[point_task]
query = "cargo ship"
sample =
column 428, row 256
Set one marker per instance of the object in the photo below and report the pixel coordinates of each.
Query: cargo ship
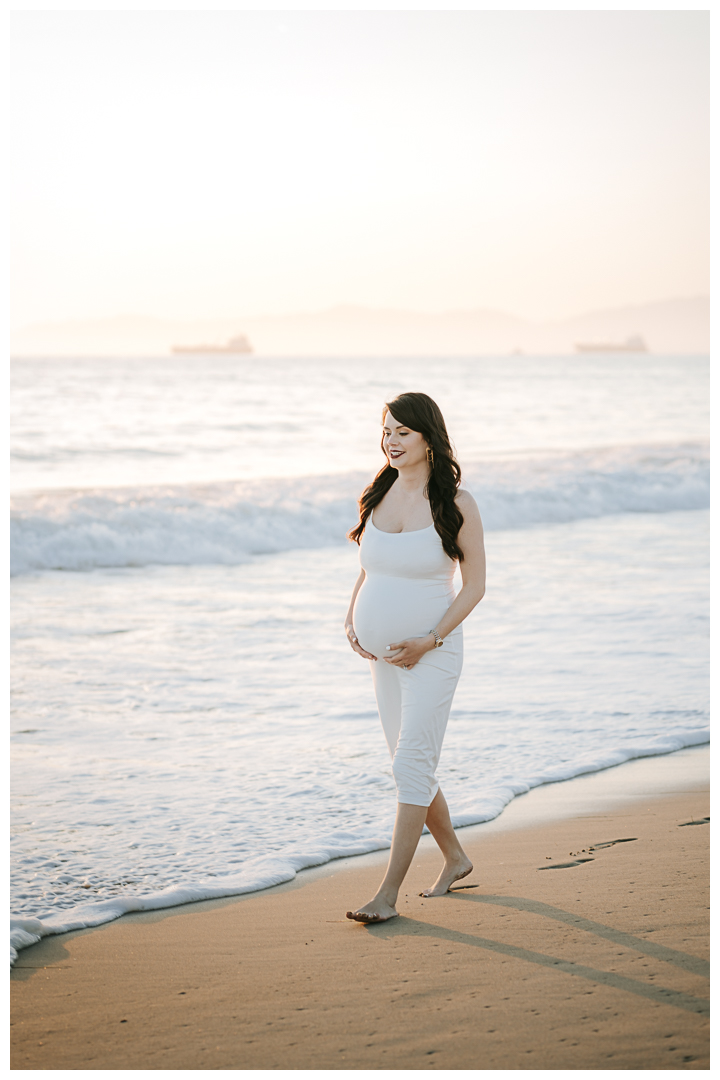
column 633, row 344
column 236, row 345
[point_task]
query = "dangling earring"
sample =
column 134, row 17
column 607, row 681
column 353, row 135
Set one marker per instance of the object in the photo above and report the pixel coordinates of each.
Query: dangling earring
column 429, row 454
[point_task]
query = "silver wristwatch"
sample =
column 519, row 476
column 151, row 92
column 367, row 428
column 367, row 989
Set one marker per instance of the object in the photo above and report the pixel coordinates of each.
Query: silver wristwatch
column 438, row 639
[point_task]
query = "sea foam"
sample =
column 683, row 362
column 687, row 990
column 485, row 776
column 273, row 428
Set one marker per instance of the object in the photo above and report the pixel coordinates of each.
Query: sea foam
column 263, row 873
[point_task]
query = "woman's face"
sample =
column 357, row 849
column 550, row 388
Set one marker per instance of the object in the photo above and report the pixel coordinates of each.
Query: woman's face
column 402, row 445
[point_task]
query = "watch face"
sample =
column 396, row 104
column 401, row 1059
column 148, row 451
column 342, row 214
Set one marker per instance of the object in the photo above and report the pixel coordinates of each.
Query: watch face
column 438, row 643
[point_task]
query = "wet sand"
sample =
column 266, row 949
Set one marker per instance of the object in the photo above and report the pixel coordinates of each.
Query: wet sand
column 583, row 944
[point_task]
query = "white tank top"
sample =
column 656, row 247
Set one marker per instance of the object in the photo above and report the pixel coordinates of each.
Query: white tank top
column 408, row 586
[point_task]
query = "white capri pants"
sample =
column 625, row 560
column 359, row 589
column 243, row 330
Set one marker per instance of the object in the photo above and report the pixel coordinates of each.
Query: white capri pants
column 414, row 707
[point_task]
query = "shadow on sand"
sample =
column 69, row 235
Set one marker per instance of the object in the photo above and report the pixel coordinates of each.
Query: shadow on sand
column 403, row 926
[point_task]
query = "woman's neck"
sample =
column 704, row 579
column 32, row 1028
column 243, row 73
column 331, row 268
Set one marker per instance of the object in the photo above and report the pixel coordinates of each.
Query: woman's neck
column 412, row 480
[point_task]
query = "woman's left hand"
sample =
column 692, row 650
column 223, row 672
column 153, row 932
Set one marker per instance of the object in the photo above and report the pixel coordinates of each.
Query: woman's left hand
column 407, row 653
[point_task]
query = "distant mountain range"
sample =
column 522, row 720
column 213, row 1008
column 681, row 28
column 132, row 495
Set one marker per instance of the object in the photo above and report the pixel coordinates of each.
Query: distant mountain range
column 670, row 326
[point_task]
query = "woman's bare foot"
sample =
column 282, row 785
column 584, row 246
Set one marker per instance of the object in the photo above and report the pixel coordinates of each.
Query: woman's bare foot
column 451, row 872
column 378, row 910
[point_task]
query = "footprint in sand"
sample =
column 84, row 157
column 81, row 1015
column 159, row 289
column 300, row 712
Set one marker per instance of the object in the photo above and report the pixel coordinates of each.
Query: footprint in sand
column 592, row 847
column 565, row 865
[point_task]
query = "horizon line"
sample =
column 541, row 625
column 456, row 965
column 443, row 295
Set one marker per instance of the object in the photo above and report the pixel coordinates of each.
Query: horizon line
column 357, row 307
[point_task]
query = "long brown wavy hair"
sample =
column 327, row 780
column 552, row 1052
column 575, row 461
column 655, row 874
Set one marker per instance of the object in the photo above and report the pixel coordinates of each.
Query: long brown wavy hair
column 420, row 413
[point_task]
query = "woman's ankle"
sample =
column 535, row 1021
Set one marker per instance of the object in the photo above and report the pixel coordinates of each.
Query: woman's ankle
column 388, row 895
column 455, row 856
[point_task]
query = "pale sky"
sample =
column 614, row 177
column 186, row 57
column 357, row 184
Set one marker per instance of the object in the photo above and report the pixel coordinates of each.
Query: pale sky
column 226, row 162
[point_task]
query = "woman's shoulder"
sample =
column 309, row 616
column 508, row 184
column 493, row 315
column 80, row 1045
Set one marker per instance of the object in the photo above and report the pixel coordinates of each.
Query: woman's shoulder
column 467, row 506
column 465, row 500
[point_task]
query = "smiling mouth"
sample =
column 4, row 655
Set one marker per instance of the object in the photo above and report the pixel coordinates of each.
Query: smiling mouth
column 396, row 453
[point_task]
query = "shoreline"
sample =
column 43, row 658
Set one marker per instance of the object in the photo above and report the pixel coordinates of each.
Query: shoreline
column 599, row 963
column 643, row 777
column 545, row 802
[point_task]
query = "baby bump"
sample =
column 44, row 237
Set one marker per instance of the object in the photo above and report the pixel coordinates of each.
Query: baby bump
column 392, row 609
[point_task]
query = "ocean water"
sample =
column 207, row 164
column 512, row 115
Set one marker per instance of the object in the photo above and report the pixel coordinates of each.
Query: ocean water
column 188, row 719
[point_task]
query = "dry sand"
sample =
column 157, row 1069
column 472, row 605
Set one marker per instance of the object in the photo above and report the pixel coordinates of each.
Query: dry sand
column 594, row 965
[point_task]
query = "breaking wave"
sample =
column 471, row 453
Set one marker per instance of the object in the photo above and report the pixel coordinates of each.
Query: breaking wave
column 229, row 522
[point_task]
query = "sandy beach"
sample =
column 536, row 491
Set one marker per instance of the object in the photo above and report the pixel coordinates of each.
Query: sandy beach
column 579, row 942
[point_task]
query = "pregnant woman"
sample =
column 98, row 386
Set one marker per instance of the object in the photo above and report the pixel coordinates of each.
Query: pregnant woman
column 415, row 526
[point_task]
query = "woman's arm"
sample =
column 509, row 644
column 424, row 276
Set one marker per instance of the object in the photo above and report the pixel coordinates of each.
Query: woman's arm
column 349, row 629
column 472, row 570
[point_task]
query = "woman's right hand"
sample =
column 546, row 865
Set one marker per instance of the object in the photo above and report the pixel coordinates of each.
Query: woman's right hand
column 355, row 644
